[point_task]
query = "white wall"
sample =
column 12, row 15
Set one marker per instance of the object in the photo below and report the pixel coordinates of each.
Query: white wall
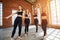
column 14, row 16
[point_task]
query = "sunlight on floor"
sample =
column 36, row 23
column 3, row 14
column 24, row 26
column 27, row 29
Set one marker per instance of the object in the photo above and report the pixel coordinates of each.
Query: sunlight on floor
column 52, row 34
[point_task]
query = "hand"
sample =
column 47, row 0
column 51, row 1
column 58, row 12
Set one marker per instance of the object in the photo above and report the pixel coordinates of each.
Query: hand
column 6, row 17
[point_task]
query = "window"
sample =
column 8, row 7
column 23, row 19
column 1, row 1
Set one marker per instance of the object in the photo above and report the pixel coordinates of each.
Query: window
column 58, row 11
column 55, row 12
column 1, row 14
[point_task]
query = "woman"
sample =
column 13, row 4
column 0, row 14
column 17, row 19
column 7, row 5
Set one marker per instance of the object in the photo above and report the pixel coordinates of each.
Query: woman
column 44, row 23
column 18, row 21
column 27, row 22
column 36, row 20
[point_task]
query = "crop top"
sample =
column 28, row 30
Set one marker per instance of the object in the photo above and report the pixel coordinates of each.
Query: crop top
column 26, row 15
column 35, row 15
column 19, row 13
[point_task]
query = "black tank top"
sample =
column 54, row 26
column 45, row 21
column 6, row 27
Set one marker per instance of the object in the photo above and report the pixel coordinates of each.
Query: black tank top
column 19, row 13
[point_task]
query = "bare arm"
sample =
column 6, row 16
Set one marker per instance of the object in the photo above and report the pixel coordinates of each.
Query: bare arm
column 29, row 15
column 10, row 15
column 23, row 14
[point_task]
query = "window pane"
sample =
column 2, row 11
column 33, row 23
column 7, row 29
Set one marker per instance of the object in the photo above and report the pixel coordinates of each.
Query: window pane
column 53, row 12
column 58, row 10
column 0, row 14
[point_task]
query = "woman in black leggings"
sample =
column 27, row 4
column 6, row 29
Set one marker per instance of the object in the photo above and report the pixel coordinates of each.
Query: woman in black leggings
column 36, row 20
column 27, row 22
column 18, row 21
column 44, row 23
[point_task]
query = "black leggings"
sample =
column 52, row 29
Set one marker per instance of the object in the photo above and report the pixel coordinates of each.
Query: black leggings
column 44, row 29
column 36, row 24
column 27, row 22
column 18, row 21
column 44, row 25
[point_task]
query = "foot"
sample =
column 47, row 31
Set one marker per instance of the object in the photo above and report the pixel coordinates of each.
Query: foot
column 44, row 37
column 36, row 33
column 25, row 35
column 11, row 38
column 20, row 38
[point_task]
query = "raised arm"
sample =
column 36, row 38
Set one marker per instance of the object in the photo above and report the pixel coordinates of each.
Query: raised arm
column 10, row 15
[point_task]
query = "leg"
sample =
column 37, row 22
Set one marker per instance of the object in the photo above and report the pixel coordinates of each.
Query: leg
column 25, row 28
column 14, row 29
column 28, row 25
column 26, row 33
column 36, row 24
column 36, row 27
column 44, row 29
column 20, row 28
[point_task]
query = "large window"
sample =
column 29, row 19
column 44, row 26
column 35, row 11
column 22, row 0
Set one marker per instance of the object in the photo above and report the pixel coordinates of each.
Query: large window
column 0, row 14
column 55, row 12
column 58, row 11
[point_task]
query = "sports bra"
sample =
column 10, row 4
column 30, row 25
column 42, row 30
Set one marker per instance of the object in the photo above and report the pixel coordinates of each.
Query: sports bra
column 35, row 15
column 26, row 15
column 19, row 13
column 43, row 14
